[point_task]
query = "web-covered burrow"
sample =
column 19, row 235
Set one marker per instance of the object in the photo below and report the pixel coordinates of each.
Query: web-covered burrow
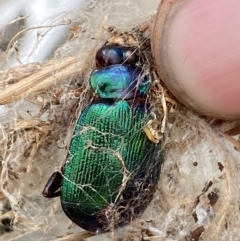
column 197, row 197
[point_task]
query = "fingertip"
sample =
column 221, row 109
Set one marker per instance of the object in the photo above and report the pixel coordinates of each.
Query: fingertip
column 196, row 49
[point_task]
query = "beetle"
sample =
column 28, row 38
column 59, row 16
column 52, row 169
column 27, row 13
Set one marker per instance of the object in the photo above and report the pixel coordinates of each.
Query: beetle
column 112, row 168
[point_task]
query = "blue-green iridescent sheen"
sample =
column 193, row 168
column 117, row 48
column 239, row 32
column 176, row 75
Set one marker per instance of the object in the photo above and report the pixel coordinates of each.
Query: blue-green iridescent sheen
column 120, row 82
column 108, row 138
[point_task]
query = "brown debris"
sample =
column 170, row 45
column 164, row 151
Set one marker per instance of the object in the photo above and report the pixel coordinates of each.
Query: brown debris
column 75, row 30
column 143, row 27
column 220, row 166
column 46, row 75
column 213, row 197
column 196, row 234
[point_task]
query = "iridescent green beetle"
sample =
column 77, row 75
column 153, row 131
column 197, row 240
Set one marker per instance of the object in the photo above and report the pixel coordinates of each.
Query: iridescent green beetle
column 112, row 169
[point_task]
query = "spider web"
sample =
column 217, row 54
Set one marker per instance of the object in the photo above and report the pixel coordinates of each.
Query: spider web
column 198, row 192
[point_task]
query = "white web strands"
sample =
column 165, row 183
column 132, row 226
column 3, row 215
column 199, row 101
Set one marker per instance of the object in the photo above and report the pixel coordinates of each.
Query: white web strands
column 198, row 192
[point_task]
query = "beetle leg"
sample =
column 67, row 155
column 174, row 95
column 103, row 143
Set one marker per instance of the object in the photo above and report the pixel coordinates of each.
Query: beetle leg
column 53, row 185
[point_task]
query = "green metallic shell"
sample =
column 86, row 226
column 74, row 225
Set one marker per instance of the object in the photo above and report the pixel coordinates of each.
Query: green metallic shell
column 119, row 82
column 108, row 145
